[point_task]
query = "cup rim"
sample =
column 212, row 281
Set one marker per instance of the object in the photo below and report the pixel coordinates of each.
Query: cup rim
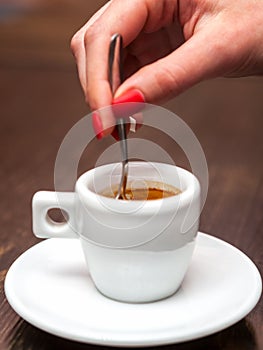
column 187, row 195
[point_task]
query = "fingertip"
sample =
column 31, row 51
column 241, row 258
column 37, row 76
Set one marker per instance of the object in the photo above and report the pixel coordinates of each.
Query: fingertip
column 132, row 95
column 103, row 123
column 97, row 125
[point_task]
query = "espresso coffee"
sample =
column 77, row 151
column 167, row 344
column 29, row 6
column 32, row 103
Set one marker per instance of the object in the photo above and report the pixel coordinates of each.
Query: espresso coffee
column 146, row 190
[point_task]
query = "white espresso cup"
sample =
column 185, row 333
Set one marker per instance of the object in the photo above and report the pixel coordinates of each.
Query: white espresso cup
column 136, row 250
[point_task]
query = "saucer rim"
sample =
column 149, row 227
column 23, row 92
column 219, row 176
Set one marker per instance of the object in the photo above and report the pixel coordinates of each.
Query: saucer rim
column 165, row 338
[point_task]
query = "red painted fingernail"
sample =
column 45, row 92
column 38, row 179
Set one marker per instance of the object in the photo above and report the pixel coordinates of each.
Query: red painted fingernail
column 129, row 103
column 115, row 133
column 132, row 95
column 97, row 125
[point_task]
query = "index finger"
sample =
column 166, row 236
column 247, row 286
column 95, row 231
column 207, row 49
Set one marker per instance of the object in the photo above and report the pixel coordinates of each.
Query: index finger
column 121, row 16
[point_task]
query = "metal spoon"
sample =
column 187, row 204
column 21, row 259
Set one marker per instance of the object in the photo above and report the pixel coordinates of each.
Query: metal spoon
column 115, row 79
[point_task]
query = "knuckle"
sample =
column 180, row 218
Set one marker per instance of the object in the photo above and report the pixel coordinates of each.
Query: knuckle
column 75, row 42
column 92, row 33
column 169, row 79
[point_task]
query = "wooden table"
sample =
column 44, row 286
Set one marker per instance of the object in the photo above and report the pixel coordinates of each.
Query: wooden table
column 41, row 100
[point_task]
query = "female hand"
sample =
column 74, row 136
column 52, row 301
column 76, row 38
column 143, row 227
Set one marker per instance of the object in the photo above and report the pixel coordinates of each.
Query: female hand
column 170, row 45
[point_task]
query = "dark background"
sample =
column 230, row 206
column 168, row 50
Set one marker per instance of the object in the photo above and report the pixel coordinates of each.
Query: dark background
column 41, row 99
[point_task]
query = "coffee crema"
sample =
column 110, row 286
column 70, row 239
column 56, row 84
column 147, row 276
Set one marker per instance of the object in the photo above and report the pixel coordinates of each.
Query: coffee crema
column 148, row 190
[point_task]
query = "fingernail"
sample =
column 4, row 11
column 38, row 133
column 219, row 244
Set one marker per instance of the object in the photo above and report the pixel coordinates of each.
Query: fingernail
column 97, row 125
column 132, row 95
column 128, row 103
column 115, row 133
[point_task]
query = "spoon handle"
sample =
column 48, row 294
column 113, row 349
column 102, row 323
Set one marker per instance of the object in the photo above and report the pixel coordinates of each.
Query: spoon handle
column 115, row 79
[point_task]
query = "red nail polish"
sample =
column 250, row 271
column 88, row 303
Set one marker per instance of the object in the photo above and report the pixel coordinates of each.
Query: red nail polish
column 97, row 125
column 129, row 103
column 115, row 133
column 132, row 95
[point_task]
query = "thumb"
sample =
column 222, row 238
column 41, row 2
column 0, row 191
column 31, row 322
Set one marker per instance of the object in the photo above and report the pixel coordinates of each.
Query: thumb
column 192, row 62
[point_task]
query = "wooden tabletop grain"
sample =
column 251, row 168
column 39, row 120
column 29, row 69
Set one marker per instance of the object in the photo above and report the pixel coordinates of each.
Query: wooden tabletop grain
column 40, row 100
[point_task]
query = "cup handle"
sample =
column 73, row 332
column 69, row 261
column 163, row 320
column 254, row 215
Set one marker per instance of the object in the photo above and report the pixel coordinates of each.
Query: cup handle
column 43, row 225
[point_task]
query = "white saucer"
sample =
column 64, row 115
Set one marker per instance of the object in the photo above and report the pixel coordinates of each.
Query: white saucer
column 49, row 286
